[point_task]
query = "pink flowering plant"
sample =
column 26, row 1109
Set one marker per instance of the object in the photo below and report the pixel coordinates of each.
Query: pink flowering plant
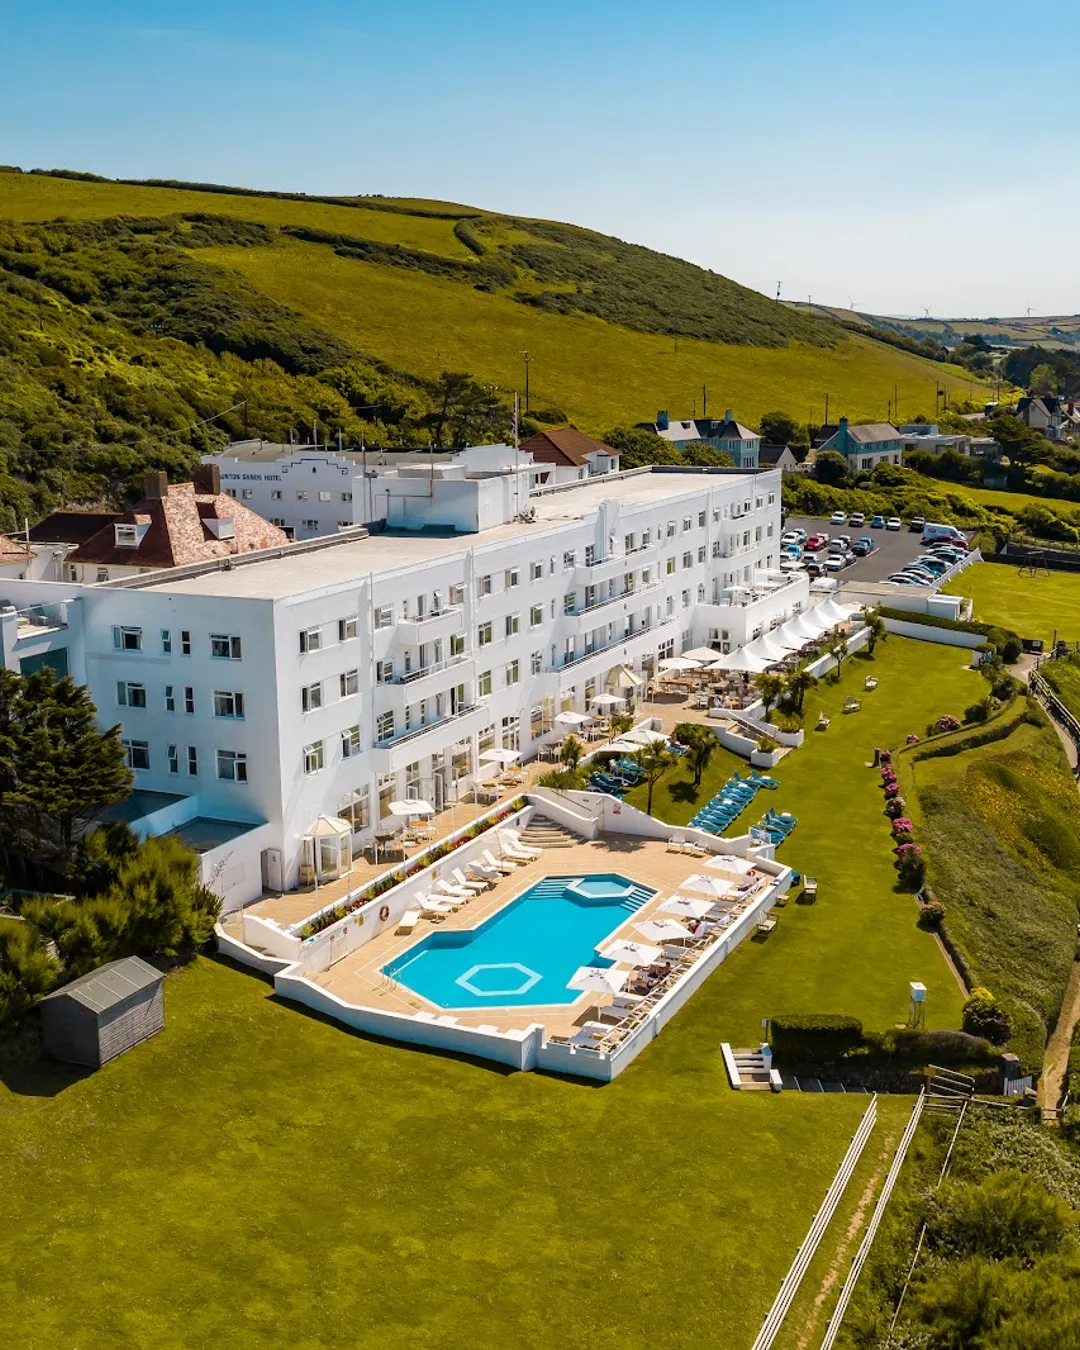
column 903, row 825
column 895, row 807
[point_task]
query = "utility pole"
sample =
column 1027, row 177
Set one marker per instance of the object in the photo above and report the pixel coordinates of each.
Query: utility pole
column 525, row 358
column 896, row 401
column 826, row 410
column 704, row 400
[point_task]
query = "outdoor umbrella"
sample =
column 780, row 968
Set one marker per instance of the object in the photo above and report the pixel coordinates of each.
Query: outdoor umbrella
column 678, row 663
column 416, row 807
column 744, row 660
column 624, row 747
column 573, row 719
column 661, row 930
column 631, row 953
column 644, row 736
column 804, row 625
column 606, row 700
column 769, row 651
column 624, row 678
column 787, row 635
column 597, row 980
column 713, row 886
column 833, row 613
column 700, row 654
column 731, row 863
column 500, row 757
column 687, row 906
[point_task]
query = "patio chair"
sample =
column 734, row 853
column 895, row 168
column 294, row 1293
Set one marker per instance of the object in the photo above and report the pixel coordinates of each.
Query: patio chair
column 870, row 682
column 408, row 921
column 851, row 704
column 435, row 910
column 502, row 865
column 511, row 851
column 676, row 844
column 447, row 888
column 476, row 885
column 766, row 926
column 823, row 722
column 809, row 890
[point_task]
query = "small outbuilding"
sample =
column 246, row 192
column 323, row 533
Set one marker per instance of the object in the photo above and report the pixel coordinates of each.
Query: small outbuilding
column 100, row 1015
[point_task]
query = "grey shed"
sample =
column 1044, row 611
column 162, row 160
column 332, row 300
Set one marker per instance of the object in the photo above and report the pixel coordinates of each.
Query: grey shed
column 100, row 1015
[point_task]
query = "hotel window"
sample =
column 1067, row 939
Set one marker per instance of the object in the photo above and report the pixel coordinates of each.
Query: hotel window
column 536, row 571
column 569, row 602
column 189, row 700
column 569, row 558
column 483, row 585
column 314, row 758
column 311, row 697
column 324, row 496
column 103, row 574
column 513, row 672
column 686, row 599
column 646, row 538
column 310, row 524
column 384, row 727
column 590, row 689
column 536, row 616
column 511, row 734
column 130, row 695
column 247, row 494
column 384, row 672
column 513, row 577
column 536, row 663
column 350, row 742
column 355, row 808
column 590, row 555
column 687, row 523
column 310, row 639
column 224, row 647
column 701, row 554
column 628, row 543
column 346, row 628
column 301, row 496
column 701, row 520
column 772, row 498
column 384, row 616
column 483, row 635
column 512, row 624
column 483, row 683
column 457, row 594
column 173, row 756
column 457, row 644
column 757, row 534
column 137, row 754
column 232, row 766
column 346, row 496
column 349, row 683
column 170, row 699
column 192, row 760
column 228, row 703
column 701, row 591
column 671, row 529
column 687, row 560
column 670, row 567
column 185, row 642
column 166, row 641
column 275, row 494
column 127, row 639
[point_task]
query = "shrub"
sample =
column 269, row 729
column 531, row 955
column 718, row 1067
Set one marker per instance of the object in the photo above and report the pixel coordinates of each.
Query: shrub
column 903, row 825
column 895, row 807
column 911, row 739
column 892, row 791
column 1010, row 652
column 766, row 744
column 931, row 915
column 913, row 1046
column 911, row 865
column 983, row 1016
column 947, row 723
column 1002, row 1216
column 977, row 712
column 885, row 756
column 815, row 1036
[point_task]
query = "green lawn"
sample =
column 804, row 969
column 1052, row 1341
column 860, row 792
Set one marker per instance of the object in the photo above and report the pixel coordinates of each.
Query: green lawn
column 1034, row 607
column 856, row 949
column 1064, row 679
column 255, row 1176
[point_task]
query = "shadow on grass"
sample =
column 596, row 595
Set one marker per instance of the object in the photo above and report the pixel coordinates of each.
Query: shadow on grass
column 683, row 792
column 27, row 1071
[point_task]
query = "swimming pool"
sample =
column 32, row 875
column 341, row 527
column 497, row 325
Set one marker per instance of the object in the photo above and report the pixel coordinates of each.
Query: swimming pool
column 526, row 952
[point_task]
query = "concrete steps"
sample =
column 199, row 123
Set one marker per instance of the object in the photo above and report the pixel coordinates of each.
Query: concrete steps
column 753, row 1074
column 541, row 832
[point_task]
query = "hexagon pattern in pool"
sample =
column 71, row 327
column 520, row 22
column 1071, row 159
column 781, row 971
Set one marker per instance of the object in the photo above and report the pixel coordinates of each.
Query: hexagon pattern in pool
column 526, row 952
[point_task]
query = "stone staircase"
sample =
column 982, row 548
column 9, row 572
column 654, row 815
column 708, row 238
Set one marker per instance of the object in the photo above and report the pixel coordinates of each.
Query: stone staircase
column 747, row 1070
column 543, row 832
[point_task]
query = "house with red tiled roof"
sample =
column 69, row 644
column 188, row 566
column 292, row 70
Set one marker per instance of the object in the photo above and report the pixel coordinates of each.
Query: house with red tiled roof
column 172, row 526
column 15, row 557
column 570, row 454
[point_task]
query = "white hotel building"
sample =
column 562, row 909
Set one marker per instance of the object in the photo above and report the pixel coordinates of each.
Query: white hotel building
column 327, row 678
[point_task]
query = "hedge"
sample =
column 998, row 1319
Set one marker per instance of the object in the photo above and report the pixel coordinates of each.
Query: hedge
column 995, row 631
column 990, row 731
column 815, row 1036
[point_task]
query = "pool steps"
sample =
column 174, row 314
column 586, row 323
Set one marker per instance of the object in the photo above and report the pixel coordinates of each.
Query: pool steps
column 631, row 903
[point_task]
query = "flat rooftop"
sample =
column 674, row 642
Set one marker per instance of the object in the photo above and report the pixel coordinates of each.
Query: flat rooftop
column 346, row 563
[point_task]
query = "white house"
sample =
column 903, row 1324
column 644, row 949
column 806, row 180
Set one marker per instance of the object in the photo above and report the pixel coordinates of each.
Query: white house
column 259, row 693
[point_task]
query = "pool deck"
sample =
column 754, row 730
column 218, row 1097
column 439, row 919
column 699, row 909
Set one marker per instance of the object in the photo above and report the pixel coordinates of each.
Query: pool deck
column 358, row 977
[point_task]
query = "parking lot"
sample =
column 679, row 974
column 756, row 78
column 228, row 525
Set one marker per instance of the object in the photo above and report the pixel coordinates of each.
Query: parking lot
column 892, row 552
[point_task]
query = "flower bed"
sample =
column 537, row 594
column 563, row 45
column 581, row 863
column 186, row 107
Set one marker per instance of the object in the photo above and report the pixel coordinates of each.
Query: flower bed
column 389, row 880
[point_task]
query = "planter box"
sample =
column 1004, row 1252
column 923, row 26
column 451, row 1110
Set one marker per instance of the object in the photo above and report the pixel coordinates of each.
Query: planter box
column 765, row 759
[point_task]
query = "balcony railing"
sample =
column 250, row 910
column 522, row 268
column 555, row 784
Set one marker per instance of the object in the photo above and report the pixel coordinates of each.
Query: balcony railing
column 433, row 669
column 612, row 599
column 615, row 642
column 413, row 732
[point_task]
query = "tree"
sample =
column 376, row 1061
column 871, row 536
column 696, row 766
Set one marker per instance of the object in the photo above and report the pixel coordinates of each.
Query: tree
column 1043, row 380
column 838, row 650
column 875, row 625
column 984, row 1016
column 780, row 428
column 707, row 456
column 465, row 411
column 700, row 742
column 654, row 761
column 166, row 908
column 831, row 468
column 620, row 724
column 639, row 447
column 68, row 770
column 770, row 686
column 1022, row 445
column 798, row 685
column 571, row 753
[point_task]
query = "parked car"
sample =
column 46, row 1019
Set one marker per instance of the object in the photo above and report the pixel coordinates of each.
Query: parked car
column 903, row 579
column 790, row 537
column 836, row 562
column 815, row 567
column 916, row 523
column 862, row 546
column 816, row 541
column 947, row 533
column 894, row 523
column 921, row 577
column 838, row 545
column 878, row 523
column 949, row 555
column 858, row 520
column 837, row 518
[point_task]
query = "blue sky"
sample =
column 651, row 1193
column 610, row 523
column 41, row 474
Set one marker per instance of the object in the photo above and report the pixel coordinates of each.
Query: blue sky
column 901, row 155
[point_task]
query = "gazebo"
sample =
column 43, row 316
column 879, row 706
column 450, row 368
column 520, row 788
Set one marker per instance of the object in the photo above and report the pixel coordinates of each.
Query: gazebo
column 328, row 849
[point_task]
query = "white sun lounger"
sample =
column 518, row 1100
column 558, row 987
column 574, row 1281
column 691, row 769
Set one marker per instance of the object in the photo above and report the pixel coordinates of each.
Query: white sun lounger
column 433, row 908
column 476, row 886
column 446, row 888
column 511, row 850
column 485, row 873
column 514, row 838
column 408, row 921
column 502, row 865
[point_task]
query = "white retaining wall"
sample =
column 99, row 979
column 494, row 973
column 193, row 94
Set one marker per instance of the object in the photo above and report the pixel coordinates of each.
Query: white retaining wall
column 246, row 956
column 950, row 637
column 270, row 936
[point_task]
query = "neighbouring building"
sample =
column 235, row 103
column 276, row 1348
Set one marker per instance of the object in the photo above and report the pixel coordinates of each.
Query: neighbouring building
column 1043, row 413
column 15, row 558
column 925, row 436
column 100, row 1015
column 780, row 457
column 864, row 445
column 259, row 694
column 571, row 455
column 740, row 442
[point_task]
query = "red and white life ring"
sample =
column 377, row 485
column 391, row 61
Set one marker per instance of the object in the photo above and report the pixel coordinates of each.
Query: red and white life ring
column 384, row 913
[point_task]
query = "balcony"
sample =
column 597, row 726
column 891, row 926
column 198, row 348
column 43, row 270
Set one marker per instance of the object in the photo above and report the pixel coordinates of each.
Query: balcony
column 440, row 624
column 586, row 574
column 435, row 678
column 408, row 746
column 38, row 620
column 628, row 646
column 608, row 608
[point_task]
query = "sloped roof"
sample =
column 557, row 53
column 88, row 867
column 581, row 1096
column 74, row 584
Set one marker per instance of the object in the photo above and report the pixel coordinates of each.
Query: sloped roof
column 177, row 532
column 13, row 550
column 71, row 527
column 110, row 984
column 863, row 433
column 772, row 454
column 731, row 430
column 565, row 445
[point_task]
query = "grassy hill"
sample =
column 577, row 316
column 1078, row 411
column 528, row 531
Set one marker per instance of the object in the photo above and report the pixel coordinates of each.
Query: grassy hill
column 130, row 311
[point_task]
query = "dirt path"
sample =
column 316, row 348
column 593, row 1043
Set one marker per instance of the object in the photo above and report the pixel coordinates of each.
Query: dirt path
column 1056, row 1059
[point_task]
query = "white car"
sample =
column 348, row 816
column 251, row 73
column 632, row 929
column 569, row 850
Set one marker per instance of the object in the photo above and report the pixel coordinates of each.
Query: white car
column 791, row 537
column 838, row 518
column 894, row 523
column 836, row 562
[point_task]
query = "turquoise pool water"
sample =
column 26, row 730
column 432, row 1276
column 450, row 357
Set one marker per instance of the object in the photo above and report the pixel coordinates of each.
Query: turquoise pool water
column 527, row 951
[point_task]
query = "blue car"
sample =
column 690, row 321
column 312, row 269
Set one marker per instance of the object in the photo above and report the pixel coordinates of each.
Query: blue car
column 878, row 523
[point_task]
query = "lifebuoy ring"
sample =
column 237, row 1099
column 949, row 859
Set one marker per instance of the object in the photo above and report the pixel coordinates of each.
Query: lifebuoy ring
column 384, row 913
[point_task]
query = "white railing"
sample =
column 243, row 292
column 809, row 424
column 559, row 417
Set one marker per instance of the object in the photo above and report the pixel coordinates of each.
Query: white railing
column 770, row 1328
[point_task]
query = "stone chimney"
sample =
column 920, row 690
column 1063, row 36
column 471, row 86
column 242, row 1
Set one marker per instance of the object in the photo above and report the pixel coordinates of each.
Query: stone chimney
column 729, row 416
column 207, row 478
column 156, row 485
column 662, row 420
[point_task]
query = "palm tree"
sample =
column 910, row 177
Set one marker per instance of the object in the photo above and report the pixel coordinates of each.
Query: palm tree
column 620, row 724
column 799, row 684
column 700, row 742
column 654, row 761
column 571, row 753
column 876, row 627
column 838, row 650
column 770, row 687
